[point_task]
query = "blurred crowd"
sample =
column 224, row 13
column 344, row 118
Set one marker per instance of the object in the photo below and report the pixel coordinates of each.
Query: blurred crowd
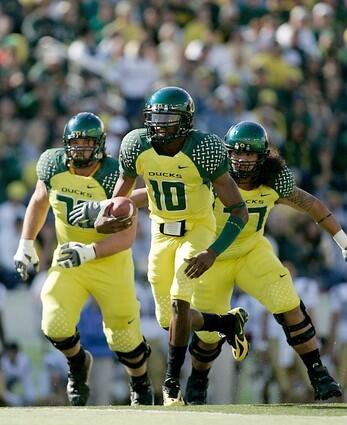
column 282, row 63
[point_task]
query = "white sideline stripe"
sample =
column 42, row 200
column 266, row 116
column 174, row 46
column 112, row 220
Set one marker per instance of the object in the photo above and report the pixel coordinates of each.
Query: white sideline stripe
column 250, row 418
column 113, row 416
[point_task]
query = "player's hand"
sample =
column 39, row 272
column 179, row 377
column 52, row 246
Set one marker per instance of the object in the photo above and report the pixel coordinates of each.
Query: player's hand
column 344, row 254
column 86, row 213
column 73, row 254
column 198, row 264
column 113, row 224
column 25, row 256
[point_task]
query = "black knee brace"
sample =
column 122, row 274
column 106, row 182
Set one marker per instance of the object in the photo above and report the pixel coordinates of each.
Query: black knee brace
column 202, row 355
column 67, row 343
column 304, row 336
column 142, row 348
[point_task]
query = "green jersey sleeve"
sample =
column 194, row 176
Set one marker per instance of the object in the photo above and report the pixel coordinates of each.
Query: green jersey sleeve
column 107, row 175
column 50, row 163
column 132, row 145
column 284, row 183
column 208, row 154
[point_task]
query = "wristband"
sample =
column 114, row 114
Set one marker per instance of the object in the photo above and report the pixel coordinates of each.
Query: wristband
column 229, row 233
column 341, row 239
column 89, row 252
column 26, row 244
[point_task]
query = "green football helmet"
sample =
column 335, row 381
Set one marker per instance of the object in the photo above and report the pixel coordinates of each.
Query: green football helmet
column 168, row 114
column 84, row 125
column 249, row 137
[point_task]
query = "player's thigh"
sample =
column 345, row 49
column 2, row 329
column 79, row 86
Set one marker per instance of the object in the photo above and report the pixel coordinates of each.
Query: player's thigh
column 161, row 264
column 213, row 290
column 113, row 286
column 196, row 240
column 114, row 291
column 212, row 294
column 161, row 260
column 261, row 275
column 63, row 296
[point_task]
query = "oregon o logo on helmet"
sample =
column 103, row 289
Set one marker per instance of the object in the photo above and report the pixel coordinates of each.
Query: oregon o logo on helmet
column 76, row 134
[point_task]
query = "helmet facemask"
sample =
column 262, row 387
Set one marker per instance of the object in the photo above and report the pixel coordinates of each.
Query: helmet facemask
column 78, row 154
column 243, row 169
column 164, row 125
column 87, row 127
column 246, row 137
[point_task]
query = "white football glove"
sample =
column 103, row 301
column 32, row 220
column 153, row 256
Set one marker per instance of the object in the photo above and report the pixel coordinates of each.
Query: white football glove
column 86, row 213
column 73, row 254
column 25, row 256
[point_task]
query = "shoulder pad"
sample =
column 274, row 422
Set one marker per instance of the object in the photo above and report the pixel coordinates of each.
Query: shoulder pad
column 108, row 175
column 51, row 162
column 284, row 183
column 209, row 154
column 133, row 144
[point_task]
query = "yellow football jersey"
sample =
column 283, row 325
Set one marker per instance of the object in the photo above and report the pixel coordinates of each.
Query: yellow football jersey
column 179, row 186
column 67, row 189
column 259, row 203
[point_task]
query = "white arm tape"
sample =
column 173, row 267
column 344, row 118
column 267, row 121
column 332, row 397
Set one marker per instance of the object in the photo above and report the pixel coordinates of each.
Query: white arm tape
column 341, row 239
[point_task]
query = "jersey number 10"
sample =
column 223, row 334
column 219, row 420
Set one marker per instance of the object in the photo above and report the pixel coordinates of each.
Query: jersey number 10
column 171, row 194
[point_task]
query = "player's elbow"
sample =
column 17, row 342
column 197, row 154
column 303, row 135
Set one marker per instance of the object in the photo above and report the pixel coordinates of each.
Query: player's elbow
column 242, row 213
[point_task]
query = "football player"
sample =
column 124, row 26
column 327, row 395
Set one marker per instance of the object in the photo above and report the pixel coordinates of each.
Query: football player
column 250, row 262
column 85, row 262
column 179, row 165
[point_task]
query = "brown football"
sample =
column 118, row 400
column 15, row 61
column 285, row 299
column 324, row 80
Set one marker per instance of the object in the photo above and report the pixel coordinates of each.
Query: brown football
column 120, row 207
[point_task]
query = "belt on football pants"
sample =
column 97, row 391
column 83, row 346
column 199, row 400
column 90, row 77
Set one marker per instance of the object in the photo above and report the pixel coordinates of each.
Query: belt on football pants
column 176, row 228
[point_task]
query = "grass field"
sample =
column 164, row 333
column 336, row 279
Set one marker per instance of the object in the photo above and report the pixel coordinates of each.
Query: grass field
column 289, row 414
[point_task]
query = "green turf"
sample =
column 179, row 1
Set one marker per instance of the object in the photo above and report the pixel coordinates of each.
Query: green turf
column 313, row 414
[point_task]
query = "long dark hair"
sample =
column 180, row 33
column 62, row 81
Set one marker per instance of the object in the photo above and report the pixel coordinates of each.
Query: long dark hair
column 271, row 167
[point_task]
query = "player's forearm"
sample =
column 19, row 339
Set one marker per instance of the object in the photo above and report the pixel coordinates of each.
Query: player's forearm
column 312, row 206
column 326, row 220
column 139, row 196
column 123, row 186
column 323, row 217
column 116, row 243
column 229, row 233
column 35, row 217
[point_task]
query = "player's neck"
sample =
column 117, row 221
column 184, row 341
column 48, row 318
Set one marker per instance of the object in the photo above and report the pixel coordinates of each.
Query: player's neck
column 169, row 149
column 85, row 171
column 247, row 185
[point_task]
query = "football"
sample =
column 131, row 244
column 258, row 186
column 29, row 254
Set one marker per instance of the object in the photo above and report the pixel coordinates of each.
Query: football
column 120, row 207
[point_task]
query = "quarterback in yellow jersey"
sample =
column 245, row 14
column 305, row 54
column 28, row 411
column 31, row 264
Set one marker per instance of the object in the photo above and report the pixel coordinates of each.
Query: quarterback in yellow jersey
column 250, row 262
column 180, row 165
column 85, row 262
